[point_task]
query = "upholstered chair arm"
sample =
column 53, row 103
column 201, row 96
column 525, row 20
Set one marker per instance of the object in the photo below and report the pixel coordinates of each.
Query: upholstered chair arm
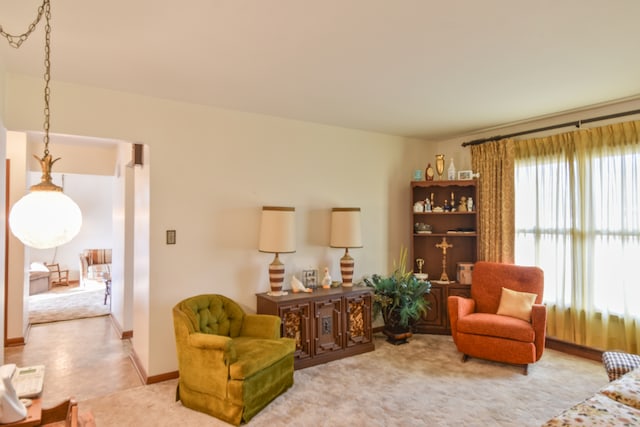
column 458, row 308
column 539, row 324
column 261, row 326
column 210, row 342
column 204, row 359
column 461, row 306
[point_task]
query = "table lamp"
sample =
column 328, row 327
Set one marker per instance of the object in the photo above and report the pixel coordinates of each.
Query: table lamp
column 277, row 235
column 346, row 233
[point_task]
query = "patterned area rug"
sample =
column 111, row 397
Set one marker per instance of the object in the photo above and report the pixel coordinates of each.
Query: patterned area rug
column 63, row 303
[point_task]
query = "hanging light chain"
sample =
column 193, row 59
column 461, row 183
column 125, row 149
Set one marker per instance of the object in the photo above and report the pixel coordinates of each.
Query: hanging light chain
column 47, row 74
column 17, row 40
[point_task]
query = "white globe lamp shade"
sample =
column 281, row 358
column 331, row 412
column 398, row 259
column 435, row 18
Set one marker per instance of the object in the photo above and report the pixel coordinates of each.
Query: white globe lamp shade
column 45, row 219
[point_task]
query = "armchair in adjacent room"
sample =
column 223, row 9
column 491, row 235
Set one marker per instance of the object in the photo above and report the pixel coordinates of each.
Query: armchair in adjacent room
column 58, row 276
column 504, row 320
column 231, row 364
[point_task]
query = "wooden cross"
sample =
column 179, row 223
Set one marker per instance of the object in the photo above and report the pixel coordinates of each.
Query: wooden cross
column 444, row 246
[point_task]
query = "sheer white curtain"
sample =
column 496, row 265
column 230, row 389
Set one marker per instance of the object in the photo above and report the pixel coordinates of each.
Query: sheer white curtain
column 578, row 217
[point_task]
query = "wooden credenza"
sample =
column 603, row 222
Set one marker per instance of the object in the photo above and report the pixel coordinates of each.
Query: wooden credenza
column 327, row 324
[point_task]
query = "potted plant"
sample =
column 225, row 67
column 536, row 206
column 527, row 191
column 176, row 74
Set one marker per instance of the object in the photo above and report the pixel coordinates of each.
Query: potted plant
column 400, row 298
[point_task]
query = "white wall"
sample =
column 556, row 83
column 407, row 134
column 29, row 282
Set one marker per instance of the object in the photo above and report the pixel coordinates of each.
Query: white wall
column 18, row 281
column 122, row 272
column 3, row 152
column 144, row 296
column 209, row 172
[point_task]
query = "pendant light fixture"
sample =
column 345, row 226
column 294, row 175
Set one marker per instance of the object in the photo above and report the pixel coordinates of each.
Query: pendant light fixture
column 46, row 217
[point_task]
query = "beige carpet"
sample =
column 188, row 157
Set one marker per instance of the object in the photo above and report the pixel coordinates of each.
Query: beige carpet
column 68, row 303
column 422, row 383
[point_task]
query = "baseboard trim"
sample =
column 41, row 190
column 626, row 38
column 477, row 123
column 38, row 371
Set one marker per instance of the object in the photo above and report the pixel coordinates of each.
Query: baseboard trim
column 137, row 364
column 116, row 325
column 163, row 377
column 14, row 342
column 574, row 349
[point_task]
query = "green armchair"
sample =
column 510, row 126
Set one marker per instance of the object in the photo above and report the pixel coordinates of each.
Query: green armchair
column 231, row 364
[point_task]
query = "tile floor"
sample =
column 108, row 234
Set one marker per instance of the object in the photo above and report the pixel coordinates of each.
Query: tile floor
column 83, row 358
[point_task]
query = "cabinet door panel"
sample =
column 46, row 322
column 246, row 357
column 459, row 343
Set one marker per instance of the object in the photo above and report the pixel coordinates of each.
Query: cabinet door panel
column 460, row 291
column 296, row 322
column 434, row 316
column 358, row 328
column 328, row 326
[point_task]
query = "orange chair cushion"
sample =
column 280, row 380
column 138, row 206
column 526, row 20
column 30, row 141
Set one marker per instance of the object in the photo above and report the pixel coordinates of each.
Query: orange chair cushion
column 494, row 325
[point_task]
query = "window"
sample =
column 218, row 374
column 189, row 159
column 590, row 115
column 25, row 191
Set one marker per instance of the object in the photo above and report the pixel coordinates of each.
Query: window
column 577, row 215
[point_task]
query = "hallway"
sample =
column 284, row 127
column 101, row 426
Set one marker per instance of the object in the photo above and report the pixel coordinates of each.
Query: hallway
column 83, row 358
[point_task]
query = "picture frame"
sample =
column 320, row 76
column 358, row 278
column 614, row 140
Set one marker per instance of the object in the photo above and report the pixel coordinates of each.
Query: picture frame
column 310, row 278
column 465, row 175
column 464, row 273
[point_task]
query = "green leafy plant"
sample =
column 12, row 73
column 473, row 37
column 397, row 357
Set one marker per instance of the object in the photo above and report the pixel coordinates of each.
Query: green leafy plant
column 399, row 297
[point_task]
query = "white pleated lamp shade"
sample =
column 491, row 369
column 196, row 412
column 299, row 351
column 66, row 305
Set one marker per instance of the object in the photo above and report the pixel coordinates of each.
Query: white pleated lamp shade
column 277, row 230
column 345, row 228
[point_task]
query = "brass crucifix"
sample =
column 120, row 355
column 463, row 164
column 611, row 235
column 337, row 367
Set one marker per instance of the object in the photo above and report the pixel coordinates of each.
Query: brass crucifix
column 444, row 246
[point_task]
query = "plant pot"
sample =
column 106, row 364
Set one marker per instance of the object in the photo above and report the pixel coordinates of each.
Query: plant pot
column 396, row 333
column 397, row 338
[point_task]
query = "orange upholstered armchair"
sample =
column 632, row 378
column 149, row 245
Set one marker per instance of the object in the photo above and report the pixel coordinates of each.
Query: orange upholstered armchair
column 504, row 320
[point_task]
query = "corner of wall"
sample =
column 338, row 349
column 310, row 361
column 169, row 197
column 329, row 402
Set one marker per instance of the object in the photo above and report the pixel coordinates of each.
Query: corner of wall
column 3, row 211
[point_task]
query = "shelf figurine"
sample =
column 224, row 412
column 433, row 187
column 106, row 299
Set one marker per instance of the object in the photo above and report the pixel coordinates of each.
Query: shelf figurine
column 451, row 173
column 428, row 173
column 326, row 279
column 462, row 207
column 297, row 286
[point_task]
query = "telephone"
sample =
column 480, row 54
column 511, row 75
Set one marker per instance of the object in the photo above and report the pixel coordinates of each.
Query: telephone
column 11, row 408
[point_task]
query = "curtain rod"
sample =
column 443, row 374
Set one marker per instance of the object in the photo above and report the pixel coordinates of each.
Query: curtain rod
column 576, row 123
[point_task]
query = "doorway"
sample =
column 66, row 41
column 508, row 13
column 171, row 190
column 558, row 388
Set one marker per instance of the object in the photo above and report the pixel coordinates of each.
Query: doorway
column 93, row 173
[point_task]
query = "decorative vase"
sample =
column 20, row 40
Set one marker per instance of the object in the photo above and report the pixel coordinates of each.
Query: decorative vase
column 440, row 165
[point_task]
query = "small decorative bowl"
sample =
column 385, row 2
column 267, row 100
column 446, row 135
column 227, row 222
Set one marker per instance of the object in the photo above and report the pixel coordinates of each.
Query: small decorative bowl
column 421, row 227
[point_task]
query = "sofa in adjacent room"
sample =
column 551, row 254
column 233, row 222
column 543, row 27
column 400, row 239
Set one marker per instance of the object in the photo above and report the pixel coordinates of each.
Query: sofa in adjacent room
column 95, row 264
column 38, row 278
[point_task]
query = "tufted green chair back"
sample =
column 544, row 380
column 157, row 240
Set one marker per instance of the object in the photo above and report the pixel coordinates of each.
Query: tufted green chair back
column 213, row 314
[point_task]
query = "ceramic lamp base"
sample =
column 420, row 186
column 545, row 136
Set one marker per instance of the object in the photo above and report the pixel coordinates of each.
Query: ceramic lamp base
column 346, row 269
column 276, row 276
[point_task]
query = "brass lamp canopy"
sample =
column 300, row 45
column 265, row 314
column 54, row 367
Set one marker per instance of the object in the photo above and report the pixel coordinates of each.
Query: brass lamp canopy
column 46, row 184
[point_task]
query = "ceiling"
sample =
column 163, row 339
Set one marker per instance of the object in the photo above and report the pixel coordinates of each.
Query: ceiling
column 416, row 68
